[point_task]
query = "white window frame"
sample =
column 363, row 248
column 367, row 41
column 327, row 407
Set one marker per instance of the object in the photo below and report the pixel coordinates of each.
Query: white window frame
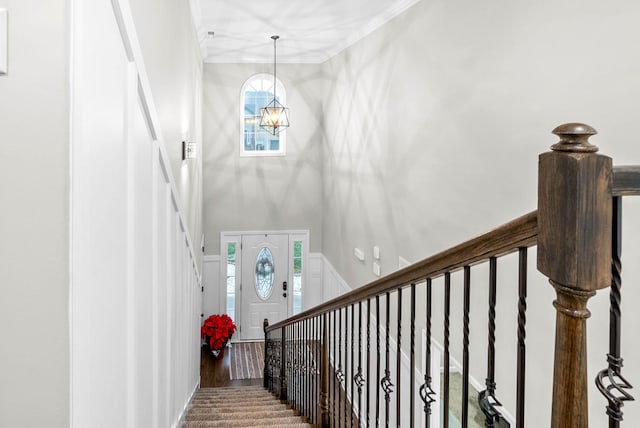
column 282, row 97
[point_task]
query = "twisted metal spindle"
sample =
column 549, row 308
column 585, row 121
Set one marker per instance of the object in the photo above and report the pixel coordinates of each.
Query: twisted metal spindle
column 616, row 391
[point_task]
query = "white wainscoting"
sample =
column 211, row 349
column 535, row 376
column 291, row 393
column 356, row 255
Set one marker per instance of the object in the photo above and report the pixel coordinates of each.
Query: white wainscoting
column 211, row 303
column 333, row 284
column 135, row 295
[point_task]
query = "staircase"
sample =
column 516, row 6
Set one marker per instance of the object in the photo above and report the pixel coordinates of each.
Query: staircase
column 242, row 406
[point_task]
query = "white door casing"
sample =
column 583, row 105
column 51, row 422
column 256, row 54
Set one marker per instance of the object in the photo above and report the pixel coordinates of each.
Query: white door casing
column 274, row 303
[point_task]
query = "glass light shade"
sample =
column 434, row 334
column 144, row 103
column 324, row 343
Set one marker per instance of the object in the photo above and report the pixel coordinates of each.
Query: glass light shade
column 274, row 117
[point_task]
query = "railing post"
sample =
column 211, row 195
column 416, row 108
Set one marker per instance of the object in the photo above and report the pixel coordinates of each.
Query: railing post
column 574, row 252
column 283, row 365
column 266, row 375
column 323, row 403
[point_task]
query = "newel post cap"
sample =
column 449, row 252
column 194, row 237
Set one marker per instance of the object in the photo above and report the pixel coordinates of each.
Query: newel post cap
column 574, row 137
column 574, row 210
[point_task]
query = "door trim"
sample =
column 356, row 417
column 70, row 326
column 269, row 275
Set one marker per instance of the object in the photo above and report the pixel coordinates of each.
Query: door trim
column 231, row 237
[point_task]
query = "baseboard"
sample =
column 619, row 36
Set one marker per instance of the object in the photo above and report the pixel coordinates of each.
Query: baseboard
column 181, row 420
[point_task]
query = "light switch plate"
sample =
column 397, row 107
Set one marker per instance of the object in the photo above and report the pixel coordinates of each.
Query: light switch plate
column 3, row 41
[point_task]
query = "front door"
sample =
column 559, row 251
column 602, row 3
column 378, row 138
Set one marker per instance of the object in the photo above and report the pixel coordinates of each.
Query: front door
column 264, row 292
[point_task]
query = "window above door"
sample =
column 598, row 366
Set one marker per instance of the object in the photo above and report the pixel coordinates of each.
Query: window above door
column 256, row 93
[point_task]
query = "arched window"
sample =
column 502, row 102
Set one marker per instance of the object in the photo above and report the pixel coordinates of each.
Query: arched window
column 256, row 93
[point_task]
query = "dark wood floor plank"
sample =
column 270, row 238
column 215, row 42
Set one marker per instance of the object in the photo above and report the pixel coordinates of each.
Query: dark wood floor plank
column 214, row 371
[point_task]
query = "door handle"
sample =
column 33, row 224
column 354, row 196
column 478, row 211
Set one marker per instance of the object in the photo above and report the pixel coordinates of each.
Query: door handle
column 284, row 294
column 284, row 286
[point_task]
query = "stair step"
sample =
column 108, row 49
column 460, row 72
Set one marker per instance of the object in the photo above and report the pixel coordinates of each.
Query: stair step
column 231, row 408
column 283, row 421
column 239, row 414
column 251, row 406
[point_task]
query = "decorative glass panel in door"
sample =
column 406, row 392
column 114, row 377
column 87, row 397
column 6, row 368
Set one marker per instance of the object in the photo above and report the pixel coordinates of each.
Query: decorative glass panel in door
column 265, row 274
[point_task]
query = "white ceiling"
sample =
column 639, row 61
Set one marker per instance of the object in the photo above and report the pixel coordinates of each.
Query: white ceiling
column 310, row 31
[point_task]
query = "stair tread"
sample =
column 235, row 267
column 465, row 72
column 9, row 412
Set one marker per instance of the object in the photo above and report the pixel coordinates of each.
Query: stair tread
column 240, row 415
column 231, row 408
column 286, row 421
column 243, row 406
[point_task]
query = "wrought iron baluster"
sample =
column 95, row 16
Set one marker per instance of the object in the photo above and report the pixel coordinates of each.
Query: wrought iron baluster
column 316, row 372
column 378, row 360
column 305, row 366
column 324, row 421
column 616, row 391
column 385, row 383
column 351, row 341
column 296, row 366
column 311, row 373
column 320, row 320
column 332, row 390
column 300, row 367
column 447, row 314
column 465, row 348
column 412, row 362
column 426, row 393
column 308, row 372
column 284, row 361
column 347, row 406
column 309, row 368
column 487, row 397
column 522, row 321
column 291, row 363
column 339, row 373
column 368, row 376
column 359, row 378
column 399, row 360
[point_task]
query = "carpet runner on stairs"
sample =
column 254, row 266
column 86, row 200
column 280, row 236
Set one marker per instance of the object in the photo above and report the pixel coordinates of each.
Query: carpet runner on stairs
column 241, row 406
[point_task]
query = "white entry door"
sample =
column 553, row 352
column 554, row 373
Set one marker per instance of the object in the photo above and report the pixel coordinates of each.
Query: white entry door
column 264, row 293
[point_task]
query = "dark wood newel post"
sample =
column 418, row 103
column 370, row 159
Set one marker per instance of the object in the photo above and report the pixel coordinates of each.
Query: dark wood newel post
column 324, row 374
column 574, row 252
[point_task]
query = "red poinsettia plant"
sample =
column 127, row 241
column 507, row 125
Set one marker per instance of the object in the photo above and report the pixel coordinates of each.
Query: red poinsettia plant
column 217, row 330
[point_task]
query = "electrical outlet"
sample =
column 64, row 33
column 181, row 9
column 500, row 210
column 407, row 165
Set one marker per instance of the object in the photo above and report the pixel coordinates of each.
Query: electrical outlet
column 376, row 268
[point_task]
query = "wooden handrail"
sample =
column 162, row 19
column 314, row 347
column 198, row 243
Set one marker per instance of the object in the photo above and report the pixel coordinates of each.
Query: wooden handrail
column 626, row 181
column 573, row 229
column 521, row 232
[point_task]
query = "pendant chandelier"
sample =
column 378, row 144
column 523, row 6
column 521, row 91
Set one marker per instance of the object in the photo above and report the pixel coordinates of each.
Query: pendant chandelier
column 274, row 116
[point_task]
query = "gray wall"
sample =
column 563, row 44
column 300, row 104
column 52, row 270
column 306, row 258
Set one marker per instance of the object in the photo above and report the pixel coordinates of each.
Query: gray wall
column 262, row 193
column 34, row 224
column 436, row 119
column 433, row 125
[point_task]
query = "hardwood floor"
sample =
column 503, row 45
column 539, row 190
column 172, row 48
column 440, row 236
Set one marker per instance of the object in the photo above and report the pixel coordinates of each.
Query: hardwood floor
column 214, row 372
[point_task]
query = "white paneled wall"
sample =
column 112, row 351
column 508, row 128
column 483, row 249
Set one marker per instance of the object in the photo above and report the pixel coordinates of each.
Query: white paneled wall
column 135, row 287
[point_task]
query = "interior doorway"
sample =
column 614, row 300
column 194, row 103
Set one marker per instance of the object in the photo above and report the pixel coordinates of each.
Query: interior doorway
column 262, row 276
column 264, row 282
